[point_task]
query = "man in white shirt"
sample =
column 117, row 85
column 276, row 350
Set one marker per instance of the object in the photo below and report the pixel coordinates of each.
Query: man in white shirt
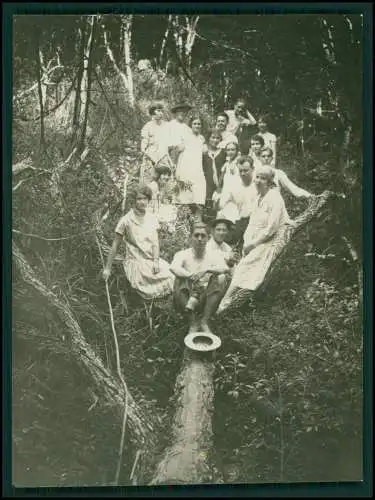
column 222, row 121
column 201, row 279
column 244, row 196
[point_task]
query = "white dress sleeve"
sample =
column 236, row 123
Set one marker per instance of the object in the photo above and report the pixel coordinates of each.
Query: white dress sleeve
column 287, row 184
column 276, row 209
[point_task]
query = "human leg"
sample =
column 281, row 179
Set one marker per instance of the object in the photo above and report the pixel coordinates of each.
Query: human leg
column 215, row 292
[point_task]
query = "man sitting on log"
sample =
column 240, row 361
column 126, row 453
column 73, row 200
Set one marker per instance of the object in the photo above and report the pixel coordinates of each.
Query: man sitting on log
column 201, row 279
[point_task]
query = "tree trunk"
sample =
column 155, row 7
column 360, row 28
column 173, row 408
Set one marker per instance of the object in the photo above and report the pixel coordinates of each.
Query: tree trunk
column 191, row 27
column 241, row 296
column 164, row 41
column 143, row 425
column 127, row 22
column 86, row 84
column 127, row 82
column 40, row 95
column 187, row 459
column 77, row 96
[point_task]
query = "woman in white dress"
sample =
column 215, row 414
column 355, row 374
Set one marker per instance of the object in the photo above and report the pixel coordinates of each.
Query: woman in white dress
column 146, row 272
column 262, row 239
column 189, row 171
column 153, row 144
column 281, row 179
column 230, row 181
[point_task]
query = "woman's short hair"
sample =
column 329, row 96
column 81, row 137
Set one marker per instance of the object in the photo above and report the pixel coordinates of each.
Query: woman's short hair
column 140, row 190
column 243, row 159
column 257, row 138
column 215, row 131
column 267, row 150
column 223, row 113
column 232, row 142
column 154, row 106
column 268, row 172
column 163, row 169
column 193, row 118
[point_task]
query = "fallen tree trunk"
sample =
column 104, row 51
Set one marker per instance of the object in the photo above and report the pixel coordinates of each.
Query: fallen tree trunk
column 188, row 459
column 237, row 297
column 142, row 424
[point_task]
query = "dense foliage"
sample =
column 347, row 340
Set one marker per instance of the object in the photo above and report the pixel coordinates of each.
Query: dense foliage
column 289, row 375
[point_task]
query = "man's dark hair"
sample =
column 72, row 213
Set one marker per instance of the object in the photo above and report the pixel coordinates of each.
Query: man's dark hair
column 243, row 159
column 258, row 138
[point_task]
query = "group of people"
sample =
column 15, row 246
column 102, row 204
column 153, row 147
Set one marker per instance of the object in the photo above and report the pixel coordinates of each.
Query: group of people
column 228, row 178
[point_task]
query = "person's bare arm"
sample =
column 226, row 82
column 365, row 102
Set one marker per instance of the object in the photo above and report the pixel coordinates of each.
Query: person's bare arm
column 112, row 255
column 177, row 268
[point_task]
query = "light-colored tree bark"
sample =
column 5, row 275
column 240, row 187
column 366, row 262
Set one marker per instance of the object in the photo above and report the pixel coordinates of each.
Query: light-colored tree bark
column 188, row 459
column 127, row 76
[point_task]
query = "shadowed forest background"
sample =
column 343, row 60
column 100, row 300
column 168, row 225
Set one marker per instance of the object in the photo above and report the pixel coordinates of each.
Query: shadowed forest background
column 288, row 378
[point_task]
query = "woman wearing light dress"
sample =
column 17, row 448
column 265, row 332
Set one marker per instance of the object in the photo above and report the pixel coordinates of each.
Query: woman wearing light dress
column 146, row 272
column 230, row 181
column 262, row 239
column 190, row 177
column 153, row 144
column 281, row 179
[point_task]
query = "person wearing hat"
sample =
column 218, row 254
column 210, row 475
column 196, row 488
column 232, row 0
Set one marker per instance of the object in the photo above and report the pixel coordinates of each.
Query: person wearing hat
column 216, row 244
column 153, row 144
column 178, row 131
column 201, row 278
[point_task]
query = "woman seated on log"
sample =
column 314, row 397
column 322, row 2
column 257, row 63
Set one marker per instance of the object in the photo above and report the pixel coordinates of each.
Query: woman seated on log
column 162, row 201
column 262, row 239
column 213, row 161
column 281, row 179
column 146, row 272
column 189, row 171
column 201, row 279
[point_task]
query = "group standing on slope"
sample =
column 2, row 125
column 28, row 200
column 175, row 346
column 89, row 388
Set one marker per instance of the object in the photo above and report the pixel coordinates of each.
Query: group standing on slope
column 229, row 178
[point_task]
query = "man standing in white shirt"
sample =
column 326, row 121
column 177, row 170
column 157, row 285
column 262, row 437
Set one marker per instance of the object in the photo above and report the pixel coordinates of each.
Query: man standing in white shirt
column 244, row 196
column 222, row 120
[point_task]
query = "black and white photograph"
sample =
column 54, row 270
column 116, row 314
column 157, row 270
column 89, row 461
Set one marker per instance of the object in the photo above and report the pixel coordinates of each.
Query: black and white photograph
column 187, row 249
